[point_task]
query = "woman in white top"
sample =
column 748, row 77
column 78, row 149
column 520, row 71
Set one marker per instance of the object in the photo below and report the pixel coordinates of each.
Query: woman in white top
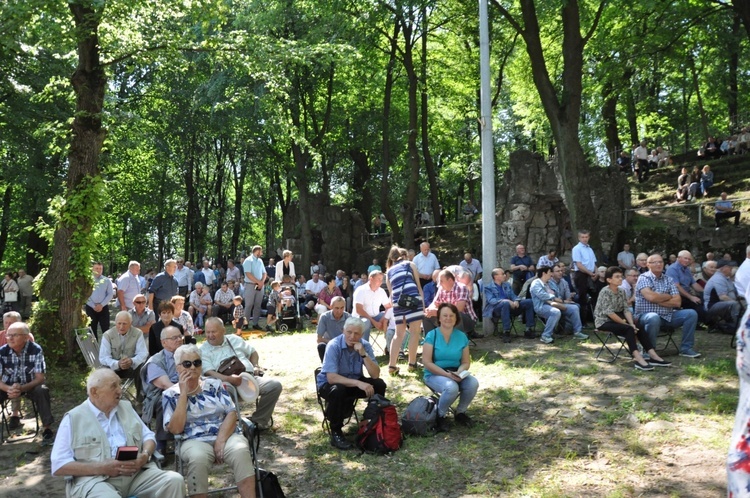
column 285, row 268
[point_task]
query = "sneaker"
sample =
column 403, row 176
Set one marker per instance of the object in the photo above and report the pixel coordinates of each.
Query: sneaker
column 646, row 356
column 529, row 334
column 465, row 420
column 442, row 425
column 14, row 422
column 690, row 354
column 647, row 367
column 659, row 363
column 546, row 340
column 580, row 335
column 339, row 441
column 48, row 437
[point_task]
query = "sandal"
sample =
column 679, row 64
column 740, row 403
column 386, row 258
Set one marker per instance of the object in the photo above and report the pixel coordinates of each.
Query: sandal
column 413, row 367
column 393, row 370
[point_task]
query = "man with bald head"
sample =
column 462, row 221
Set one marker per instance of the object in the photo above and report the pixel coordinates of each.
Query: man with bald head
column 22, row 370
column 123, row 350
column 691, row 292
column 426, row 263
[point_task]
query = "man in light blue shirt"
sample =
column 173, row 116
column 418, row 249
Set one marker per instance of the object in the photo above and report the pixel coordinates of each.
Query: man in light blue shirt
column 426, row 263
column 255, row 278
column 97, row 305
column 584, row 269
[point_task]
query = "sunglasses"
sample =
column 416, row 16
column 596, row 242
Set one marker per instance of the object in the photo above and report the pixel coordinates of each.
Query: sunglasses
column 139, row 302
column 188, row 363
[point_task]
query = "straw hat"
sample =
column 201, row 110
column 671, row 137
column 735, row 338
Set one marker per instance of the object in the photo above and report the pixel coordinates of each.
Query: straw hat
column 249, row 389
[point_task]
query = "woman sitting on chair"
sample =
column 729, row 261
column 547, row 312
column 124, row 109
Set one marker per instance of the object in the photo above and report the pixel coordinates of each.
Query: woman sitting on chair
column 612, row 314
column 201, row 410
column 446, row 357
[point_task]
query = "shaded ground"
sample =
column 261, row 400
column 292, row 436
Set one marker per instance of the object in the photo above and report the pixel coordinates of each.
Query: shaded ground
column 551, row 422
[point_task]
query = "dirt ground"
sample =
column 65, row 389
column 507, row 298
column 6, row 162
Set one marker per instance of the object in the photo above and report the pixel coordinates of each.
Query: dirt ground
column 681, row 454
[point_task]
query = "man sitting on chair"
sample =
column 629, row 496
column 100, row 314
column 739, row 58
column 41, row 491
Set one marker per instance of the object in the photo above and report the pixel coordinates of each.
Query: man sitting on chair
column 157, row 376
column 331, row 324
column 87, row 444
column 502, row 302
column 22, row 367
column 218, row 347
column 123, row 350
column 341, row 379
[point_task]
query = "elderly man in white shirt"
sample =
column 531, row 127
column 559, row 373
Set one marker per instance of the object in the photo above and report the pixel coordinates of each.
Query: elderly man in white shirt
column 123, row 349
column 104, row 422
column 367, row 301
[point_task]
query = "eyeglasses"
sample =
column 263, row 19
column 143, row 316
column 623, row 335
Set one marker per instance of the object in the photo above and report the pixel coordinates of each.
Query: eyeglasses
column 655, row 262
column 11, row 336
column 174, row 338
column 188, row 363
column 139, row 302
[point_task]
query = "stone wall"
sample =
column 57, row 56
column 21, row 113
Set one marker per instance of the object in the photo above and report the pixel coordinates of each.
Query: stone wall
column 531, row 207
column 337, row 236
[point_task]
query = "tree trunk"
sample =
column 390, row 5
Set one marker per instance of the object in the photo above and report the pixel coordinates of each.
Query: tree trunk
column 385, row 205
column 696, row 87
column 609, row 116
column 361, row 177
column 733, row 64
column 429, row 164
column 412, row 186
column 67, row 283
column 631, row 116
column 239, row 171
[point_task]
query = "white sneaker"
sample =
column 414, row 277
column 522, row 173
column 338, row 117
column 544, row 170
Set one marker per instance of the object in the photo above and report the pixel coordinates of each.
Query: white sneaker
column 547, row 340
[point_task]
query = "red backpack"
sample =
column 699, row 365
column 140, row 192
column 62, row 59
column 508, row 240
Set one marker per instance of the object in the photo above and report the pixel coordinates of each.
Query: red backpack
column 379, row 431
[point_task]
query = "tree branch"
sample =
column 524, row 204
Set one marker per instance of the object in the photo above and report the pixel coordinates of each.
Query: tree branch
column 594, row 25
column 508, row 17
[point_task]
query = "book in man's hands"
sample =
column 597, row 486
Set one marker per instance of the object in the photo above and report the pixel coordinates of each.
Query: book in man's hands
column 127, row 453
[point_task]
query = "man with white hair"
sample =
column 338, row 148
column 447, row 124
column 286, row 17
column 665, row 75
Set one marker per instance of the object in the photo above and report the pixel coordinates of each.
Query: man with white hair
column 88, row 441
column 426, row 263
column 123, row 349
column 742, row 277
column 691, row 292
column 720, row 296
column 128, row 285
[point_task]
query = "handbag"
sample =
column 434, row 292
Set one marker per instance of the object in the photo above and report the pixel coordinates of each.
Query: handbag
column 11, row 297
column 267, row 485
column 406, row 301
column 231, row 365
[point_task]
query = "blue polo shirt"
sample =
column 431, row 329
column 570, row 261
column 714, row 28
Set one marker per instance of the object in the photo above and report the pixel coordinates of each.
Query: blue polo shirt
column 681, row 275
column 254, row 266
column 341, row 360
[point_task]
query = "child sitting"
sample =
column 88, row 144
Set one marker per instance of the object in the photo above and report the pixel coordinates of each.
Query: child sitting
column 239, row 315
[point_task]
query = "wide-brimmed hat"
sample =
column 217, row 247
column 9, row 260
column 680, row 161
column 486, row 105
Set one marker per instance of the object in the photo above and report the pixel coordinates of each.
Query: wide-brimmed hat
column 249, row 389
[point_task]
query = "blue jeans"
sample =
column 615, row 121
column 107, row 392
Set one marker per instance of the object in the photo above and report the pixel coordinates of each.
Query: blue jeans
column 368, row 325
column 553, row 315
column 687, row 319
column 502, row 310
column 449, row 390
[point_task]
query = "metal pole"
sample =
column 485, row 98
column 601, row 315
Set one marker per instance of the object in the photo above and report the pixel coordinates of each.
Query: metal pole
column 489, row 242
column 700, row 213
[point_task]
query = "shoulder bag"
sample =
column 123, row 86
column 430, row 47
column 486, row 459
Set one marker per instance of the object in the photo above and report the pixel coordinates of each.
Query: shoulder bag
column 231, row 365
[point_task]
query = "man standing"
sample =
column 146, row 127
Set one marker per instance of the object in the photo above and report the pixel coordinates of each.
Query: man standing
column 233, row 273
column 473, row 265
column 724, row 210
column 255, row 278
column 97, row 305
column 522, row 268
column 502, row 302
column 25, row 292
column 625, row 258
column 128, row 285
column 184, row 277
column 584, row 269
column 87, row 444
column 331, row 324
column 656, row 305
column 680, row 273
column 219, row 347
column 23, row 367
column 426, row 263
column 164, row 286
column 720, row 296
column 341, row 377
column 123, row 350
column 367, row 300
column 271, row 268
column 208, row 275
column 640, row 165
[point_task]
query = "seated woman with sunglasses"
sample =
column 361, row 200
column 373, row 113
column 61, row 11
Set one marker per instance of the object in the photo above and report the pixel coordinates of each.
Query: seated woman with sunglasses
column 201, row 410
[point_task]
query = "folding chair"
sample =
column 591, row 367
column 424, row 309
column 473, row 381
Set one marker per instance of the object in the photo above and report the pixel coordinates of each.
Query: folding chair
column 89, row 347
column 5, row 423
column 667, row 332
column 613, row 355
column 323, row 403
column 374, row 336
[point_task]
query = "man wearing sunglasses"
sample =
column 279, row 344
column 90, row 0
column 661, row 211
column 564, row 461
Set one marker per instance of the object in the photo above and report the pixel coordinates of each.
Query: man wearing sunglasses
column 218, row 347
column 158, row 375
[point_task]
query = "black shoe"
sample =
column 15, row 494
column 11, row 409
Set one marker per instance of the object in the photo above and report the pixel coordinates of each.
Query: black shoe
column 659, row 363
column 14, row 422
column 442, row 425
column 48, row 437
column 506, row 337
column 465, row 420
column 647, row 367
column 529, row 334
column 257, row 327
column 339, row 441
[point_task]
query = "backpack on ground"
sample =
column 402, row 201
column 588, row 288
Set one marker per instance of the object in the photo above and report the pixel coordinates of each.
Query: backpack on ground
column 420, row 417
column 379, row 431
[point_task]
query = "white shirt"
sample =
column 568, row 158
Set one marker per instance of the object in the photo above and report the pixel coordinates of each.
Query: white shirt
column 62, row 453
column 234, row 273
column 209, row 274
column 742, row 279
column 212, row 356
column 369, row 299
column 627, row 258
column 105, row 353
column 280, row 270
column 313, row 287
column 184, row 277
column 641, row 152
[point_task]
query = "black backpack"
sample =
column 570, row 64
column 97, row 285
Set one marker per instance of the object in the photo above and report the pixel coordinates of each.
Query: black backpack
column 379, row 431
column 420, row 417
